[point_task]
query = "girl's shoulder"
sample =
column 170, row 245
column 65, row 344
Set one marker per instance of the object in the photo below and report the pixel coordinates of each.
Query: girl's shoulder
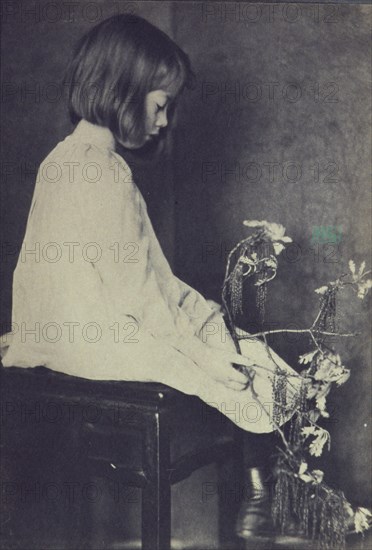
column 87, row 156
column 75, row 149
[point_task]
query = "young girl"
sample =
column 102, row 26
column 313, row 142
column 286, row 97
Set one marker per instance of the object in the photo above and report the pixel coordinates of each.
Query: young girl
column 80, row 307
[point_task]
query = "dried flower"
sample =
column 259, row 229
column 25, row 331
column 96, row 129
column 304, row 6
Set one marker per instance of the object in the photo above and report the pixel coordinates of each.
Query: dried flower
column 307, row 357
column 321, row 438
column 363, row 288
column 321, row 290
column 318, row 476
column 274, row 232
column 315, row 476
column 362, row 519
column 363, row 285
column 321, row 510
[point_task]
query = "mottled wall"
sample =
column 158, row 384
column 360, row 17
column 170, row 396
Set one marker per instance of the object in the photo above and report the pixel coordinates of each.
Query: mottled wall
column 278, row 129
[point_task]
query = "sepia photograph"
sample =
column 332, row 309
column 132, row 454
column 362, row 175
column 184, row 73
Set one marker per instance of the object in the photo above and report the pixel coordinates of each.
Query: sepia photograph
column 186, row 275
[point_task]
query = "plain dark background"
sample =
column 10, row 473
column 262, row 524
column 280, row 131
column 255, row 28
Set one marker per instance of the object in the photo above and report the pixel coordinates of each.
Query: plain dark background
column 301, row 75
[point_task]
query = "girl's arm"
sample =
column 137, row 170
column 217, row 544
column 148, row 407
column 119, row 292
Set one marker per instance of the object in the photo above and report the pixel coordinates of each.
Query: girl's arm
column 206, row 317
column 106, row 216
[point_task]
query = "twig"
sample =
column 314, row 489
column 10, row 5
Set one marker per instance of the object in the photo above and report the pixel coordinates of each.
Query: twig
column 297, row 331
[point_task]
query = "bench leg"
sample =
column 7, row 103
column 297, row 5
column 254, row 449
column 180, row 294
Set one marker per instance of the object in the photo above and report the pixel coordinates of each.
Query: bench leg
column 229, row 497
column 156, row 496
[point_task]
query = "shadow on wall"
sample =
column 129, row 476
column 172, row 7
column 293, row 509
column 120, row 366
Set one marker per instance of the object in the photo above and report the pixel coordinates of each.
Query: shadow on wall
column 276, row 129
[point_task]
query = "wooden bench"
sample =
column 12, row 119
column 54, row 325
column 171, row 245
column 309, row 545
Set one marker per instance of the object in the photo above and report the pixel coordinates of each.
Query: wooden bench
column 107, row 413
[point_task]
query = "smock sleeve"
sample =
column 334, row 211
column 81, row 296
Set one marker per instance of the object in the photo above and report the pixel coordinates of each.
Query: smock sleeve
column 117, row 272
column 171, row 320
column 206, row 317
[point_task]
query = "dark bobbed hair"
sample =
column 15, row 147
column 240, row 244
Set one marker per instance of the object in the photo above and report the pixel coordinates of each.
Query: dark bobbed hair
column 115, row 65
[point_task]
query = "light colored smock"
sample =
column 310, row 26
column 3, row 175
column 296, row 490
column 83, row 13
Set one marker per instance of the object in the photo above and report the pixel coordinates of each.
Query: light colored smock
column 94, row 296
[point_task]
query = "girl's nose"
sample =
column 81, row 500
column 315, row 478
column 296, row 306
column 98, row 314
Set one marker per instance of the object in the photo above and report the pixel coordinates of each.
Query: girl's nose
column 162, row 120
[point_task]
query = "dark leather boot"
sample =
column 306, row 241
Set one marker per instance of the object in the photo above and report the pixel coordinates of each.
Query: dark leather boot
column 254, row 518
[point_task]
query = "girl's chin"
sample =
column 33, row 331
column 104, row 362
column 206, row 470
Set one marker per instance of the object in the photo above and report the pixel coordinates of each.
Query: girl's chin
column 130, row 145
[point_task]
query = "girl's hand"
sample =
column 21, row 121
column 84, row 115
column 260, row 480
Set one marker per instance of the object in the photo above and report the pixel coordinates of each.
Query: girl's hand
column 219, row 365
column 216, row 362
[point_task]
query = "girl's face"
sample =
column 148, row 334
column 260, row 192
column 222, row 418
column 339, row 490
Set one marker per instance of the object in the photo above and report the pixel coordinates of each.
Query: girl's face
column 156, row 106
